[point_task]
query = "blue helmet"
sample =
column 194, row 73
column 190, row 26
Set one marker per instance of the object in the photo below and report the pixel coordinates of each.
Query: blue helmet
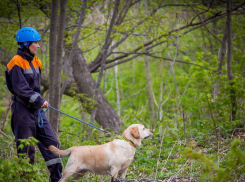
column 27, row 34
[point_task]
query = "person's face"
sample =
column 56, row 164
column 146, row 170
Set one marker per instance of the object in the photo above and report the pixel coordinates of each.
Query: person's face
column 34, row 47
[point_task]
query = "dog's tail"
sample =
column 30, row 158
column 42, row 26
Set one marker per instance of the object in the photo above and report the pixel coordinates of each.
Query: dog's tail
column 60, row 153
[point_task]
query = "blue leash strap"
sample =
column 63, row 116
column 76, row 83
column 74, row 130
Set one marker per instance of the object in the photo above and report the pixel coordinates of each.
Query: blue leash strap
column 79, row 120
column 40, row 117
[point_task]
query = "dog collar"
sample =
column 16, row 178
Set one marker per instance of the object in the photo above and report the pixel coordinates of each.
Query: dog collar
column 129, row 141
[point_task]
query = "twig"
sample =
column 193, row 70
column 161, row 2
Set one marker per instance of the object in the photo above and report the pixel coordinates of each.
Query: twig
column 138, row 118
column 174, row 176
column 151, row 55
column 191, row 169
column 168, row 157
column 6, row 114
column 160, row 152
column 18, row 7
column 180, row 61
column 203, row 11
column 202, row 21
column 4, row 134
column 70, row 133
column 211, row 112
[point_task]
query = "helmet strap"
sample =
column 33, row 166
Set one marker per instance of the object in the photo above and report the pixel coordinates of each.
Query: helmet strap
column 25, row 47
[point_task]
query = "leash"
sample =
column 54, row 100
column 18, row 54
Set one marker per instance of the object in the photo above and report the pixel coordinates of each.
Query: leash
column 40, row 124
column 40, row 117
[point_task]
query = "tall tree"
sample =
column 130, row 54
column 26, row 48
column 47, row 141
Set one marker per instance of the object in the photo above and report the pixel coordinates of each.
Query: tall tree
column 221, row 61
column 56, row 52
column 229, row 61
column 117, row 90
column 52, row 63
column 148, row 77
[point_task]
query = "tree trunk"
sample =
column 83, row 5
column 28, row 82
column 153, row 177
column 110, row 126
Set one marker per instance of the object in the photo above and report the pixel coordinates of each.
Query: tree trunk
column 221, row 60
column 74, row 45
column 178, row 95
column 105, row 82
column 147, row 71
column 58, row 61
column 105, row 115
column 150, row 90
column 117, row 91
column 229, row 61
column 184, row 124
column 161, row 92
column 52, row 63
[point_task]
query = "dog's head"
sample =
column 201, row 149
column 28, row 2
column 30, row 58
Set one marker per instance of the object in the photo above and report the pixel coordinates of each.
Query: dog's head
column 136, row 133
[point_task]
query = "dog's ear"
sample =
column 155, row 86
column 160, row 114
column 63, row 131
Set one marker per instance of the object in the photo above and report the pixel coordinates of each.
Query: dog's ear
column 135, row 132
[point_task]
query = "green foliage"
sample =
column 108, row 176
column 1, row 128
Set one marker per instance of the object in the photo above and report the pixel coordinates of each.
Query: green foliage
column 232, row 168
column 31, row 141
column 18, row 168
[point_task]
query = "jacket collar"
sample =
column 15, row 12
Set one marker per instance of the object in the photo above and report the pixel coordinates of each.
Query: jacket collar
column 24, row 55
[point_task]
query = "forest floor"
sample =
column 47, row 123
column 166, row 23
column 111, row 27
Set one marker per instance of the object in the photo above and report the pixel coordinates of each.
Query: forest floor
column 171, row 179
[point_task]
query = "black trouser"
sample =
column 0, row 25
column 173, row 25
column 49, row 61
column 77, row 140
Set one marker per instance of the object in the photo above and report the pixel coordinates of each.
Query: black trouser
column 24, row 123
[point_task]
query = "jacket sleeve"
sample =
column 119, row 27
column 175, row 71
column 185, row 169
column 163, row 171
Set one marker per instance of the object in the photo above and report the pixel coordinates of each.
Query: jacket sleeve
column 22, row 89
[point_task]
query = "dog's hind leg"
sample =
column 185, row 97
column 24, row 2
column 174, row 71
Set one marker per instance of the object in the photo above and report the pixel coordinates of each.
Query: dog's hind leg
column 114, row 171
column 68, row 173
column 122, row 174
column 78, row 174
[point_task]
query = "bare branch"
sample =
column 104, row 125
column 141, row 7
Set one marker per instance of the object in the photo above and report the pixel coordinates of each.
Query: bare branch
column 118, row 22
column 76, row 36
column 18, row 8
column 6, row 113
column 199, row 24
column 95, row 64
column 202, row 21
column 122, row 14
column 44, row 7
column 203, row 11
column 4, row 134
column 180, row 61
column 148, row 54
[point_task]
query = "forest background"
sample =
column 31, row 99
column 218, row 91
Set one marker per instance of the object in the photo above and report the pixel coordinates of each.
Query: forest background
column 175, row 66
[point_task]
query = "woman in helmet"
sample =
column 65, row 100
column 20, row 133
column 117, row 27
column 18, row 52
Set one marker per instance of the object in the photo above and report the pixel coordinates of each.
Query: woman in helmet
column 23, row 76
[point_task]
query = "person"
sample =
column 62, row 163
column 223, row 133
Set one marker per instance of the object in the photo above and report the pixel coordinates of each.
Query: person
column 23, row 77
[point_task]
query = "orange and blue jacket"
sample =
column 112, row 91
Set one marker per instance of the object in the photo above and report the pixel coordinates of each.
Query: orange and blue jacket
column 23, row 78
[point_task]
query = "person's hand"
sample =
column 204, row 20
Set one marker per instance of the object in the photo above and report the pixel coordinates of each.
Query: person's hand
column 45, row 104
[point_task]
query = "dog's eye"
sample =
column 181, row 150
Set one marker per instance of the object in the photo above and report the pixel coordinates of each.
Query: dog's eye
column 143, row 128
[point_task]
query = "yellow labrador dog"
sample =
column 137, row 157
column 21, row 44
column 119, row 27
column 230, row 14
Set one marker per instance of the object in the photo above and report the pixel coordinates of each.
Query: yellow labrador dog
column 114, row 157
